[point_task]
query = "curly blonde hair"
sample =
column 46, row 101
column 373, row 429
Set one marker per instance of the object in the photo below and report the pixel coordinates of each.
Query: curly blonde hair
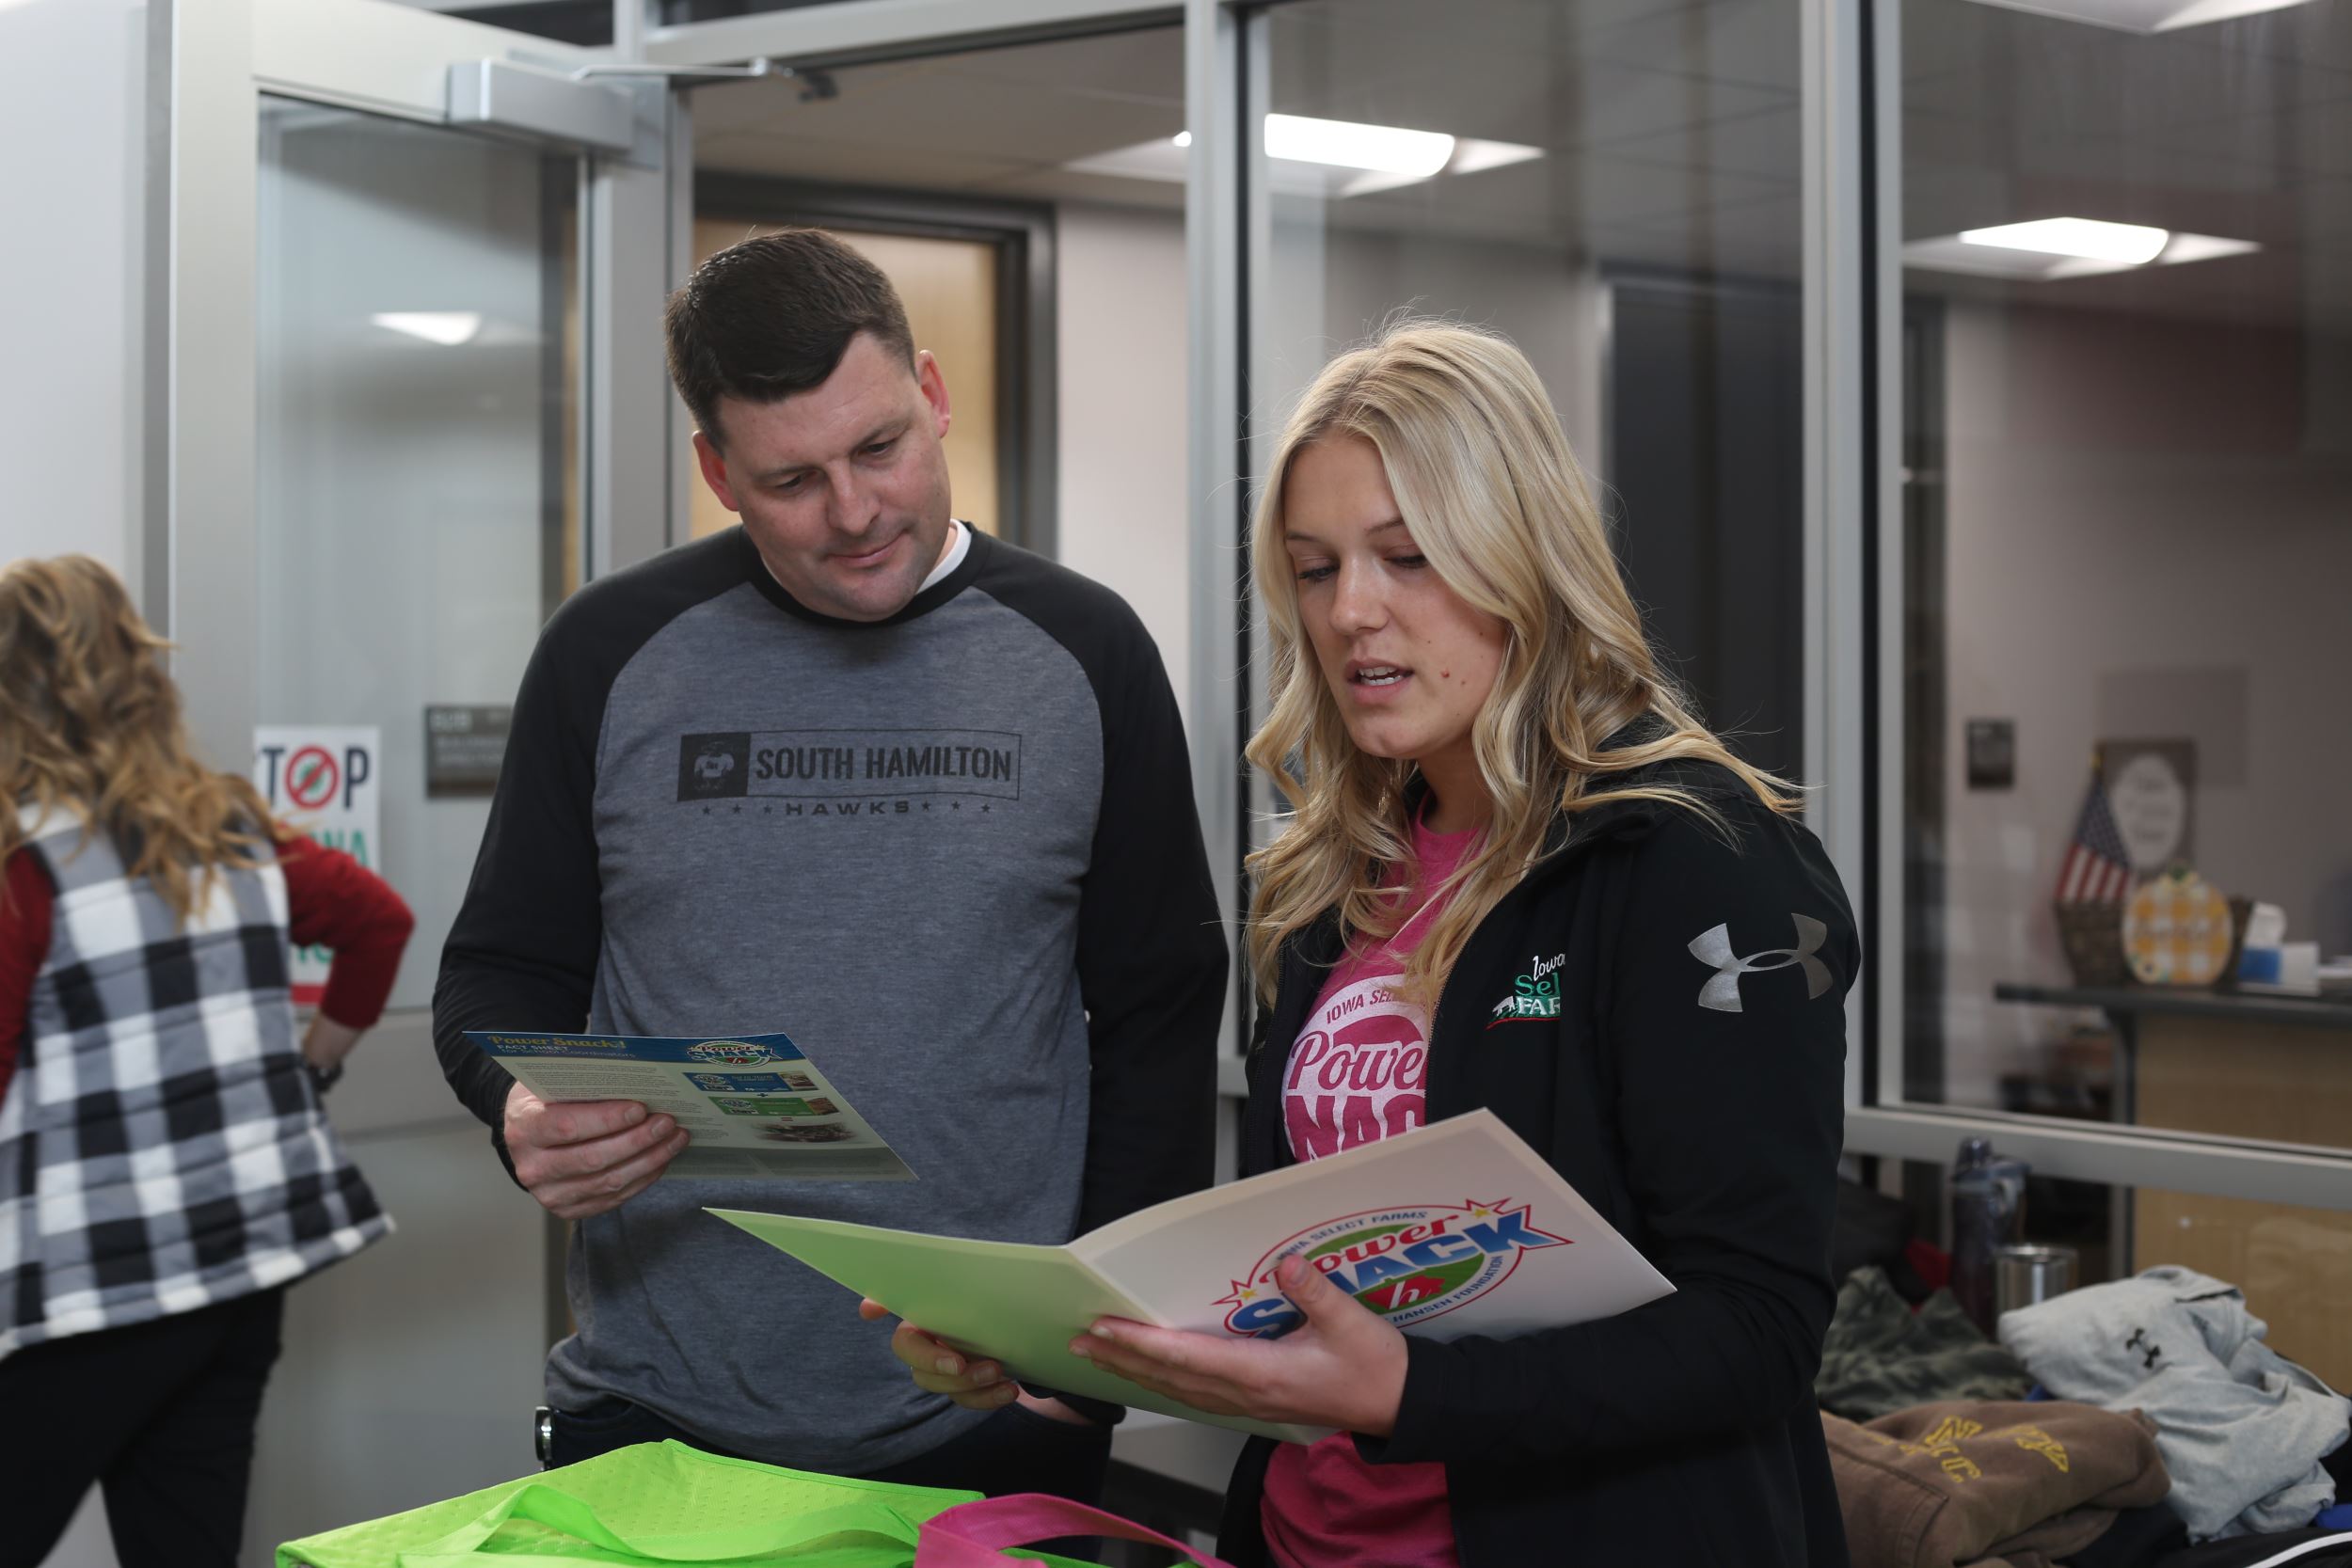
column 89, row 725
column 1497, row 502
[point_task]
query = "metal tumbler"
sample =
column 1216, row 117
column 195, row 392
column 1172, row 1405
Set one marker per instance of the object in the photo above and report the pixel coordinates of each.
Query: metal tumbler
column 2023, row 1275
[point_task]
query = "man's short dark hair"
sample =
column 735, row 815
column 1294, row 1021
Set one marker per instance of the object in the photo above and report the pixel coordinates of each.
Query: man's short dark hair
column 773, row 316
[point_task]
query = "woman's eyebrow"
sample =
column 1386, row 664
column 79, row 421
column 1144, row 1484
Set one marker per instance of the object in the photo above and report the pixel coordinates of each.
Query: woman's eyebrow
column 1295, row 536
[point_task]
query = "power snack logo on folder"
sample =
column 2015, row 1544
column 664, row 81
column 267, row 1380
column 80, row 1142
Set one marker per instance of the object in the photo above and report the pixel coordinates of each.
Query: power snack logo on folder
column 1409, row 1264
column 1404, row 1242
column 755, row 1104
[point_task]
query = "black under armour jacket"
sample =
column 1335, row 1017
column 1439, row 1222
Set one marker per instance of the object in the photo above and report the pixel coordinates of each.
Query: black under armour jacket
column 1687, row 1077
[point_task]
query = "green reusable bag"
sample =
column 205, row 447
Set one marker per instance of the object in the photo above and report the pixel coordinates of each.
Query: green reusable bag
column 656, row 1503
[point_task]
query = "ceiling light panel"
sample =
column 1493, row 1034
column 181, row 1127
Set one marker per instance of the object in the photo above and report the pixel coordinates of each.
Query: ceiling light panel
column 1344, row 144
column 446, row 327
column 1331, row 158
column 2090, row 239
column 2144, row 16
column 2044, row 263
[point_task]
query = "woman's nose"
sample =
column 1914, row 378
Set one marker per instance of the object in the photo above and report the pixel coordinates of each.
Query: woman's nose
column 1357, row 604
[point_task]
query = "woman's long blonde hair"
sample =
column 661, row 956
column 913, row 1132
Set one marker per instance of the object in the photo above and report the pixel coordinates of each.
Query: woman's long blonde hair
column 89, row 727
column 1494, row 498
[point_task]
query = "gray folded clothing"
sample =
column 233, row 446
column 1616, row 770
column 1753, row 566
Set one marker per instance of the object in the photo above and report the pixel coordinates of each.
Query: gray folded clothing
column 2242, row 1429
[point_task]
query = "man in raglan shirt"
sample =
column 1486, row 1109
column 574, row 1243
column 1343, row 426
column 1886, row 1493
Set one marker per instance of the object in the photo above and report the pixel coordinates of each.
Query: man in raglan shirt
column 856, row 772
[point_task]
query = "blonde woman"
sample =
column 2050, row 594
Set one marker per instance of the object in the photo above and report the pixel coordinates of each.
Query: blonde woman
column 164, row 1168
column 1519, row 874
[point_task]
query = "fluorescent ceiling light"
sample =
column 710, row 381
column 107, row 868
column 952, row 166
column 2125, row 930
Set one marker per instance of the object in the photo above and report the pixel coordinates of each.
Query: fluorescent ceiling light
column 2144, row 16
column 1343, row 144
column 446, row 327
column 2204, row 247
column 1330, row 159
column 1474, row 155
column 2088, row 238
column 2056, row 249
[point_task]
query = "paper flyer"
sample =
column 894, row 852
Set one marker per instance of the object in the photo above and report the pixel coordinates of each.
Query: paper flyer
column 1458, row 1227
column 755, row 1104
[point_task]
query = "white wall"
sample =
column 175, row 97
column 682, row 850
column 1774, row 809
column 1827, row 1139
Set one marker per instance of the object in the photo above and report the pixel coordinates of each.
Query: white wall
column 1332, row 287
column 1122, row 367
column 2137, row 508
column 72, row 183
column 1119, row 274
column 73, row 127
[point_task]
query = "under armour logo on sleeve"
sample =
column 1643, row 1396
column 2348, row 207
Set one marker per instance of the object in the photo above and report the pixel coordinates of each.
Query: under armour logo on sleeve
column 1713, row 948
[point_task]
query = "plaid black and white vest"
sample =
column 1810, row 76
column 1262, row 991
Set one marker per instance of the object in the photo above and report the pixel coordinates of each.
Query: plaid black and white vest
column 161, row 1146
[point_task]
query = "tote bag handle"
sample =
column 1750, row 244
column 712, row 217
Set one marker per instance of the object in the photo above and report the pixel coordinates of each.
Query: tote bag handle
column 971, row 1535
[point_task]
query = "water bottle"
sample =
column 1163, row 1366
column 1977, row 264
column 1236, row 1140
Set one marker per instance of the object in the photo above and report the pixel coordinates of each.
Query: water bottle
column 1988, row 1214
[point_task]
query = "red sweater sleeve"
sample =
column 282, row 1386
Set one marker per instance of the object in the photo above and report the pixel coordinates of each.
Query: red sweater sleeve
column 336, row 903
column 24, row 908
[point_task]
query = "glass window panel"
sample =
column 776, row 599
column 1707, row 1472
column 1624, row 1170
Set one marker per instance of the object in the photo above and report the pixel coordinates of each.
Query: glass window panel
column 1622, row 198
column 2127, row 527
column 418, row 499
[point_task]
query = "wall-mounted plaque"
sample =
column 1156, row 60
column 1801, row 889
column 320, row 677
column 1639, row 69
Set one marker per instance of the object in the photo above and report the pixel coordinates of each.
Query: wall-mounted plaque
column 463, row 750
column 1992, row 753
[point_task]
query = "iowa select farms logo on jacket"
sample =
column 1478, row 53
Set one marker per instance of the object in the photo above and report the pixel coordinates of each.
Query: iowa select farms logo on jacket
column 1408, row 1264
column 1534, row 994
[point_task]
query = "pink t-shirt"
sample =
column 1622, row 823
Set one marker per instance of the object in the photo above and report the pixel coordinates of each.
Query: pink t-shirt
column 1358, row 1072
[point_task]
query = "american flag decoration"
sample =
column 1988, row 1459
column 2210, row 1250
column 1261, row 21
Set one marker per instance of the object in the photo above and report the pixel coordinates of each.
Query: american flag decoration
column 2098, row 869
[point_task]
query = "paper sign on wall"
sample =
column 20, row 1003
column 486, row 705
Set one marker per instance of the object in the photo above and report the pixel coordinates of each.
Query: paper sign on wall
column 324, row 780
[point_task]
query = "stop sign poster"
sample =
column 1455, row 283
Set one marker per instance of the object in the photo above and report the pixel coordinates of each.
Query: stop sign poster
column 324, row 782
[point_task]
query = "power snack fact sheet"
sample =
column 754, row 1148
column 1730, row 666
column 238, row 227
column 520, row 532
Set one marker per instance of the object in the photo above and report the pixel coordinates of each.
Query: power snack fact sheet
column 755, row 1104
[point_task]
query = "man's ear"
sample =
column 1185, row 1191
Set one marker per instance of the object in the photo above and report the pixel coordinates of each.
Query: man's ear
column 714, row 468
column 935, row 389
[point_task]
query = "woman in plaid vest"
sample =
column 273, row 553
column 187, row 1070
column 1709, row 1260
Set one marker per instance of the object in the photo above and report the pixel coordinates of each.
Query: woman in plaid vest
column 165, row 1170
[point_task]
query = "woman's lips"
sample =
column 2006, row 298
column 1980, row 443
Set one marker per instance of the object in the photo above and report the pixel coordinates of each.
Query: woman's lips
column 1375, row 683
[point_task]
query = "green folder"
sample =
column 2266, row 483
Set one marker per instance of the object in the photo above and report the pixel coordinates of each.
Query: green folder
column 1454, row 1228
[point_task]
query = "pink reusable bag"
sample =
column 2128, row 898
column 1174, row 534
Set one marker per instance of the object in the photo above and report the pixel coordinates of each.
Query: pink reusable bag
column 973, row 1535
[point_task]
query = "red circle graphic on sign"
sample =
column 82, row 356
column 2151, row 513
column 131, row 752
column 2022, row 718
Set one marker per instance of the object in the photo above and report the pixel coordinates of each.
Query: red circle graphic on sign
column 313, row 786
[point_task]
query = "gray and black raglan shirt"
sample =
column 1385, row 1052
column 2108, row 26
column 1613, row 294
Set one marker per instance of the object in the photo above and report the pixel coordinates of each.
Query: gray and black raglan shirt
column 954, row 854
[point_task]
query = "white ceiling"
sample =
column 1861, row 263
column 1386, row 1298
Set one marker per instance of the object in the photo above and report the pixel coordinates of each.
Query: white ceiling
column 1672, row 132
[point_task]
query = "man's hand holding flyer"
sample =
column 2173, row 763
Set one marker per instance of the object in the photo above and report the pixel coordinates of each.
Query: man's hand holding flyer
column 754, row 1104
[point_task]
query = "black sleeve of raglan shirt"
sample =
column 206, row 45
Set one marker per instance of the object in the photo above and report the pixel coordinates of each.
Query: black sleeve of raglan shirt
column 1152, row 962
column 1731, row 1125
column 1151, row 953
column 522, row 952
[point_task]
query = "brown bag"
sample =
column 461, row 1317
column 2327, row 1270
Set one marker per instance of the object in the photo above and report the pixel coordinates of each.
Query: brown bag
column 2008, row 1483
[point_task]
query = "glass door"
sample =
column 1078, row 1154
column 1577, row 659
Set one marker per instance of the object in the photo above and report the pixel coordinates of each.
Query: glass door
column 418, row 509
column 418, row 514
